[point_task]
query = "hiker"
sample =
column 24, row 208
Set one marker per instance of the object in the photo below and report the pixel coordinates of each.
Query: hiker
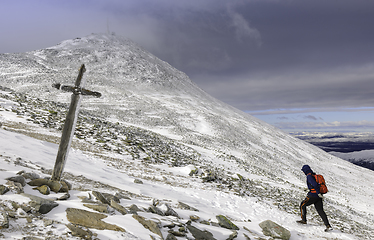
column 314, row 197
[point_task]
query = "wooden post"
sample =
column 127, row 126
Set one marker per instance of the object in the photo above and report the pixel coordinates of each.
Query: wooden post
column 70, row 122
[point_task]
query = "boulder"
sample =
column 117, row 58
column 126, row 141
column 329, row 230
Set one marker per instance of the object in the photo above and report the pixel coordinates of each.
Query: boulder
column 184, row 206
column 100, row 197
column 170, row 211
column 171, row 237
column 3, row 189
column 272, row 229
column 66, row 196
column 233, row 235
column 199, row 234
column 110, row 197
column 79, row 232
column 138, row 181
column 18, row 179
column 65, row 187
column 55, row 186
column 41, row 205
column 4, row 220
column 44, row 189
column 156, row 210
column 133, row 209
column 177, row 233
column 149, row 224
column 103, row 208
column 15, row 186
column 194, row 218
column 90, row 219
column 118, row 207
column 30, row 176
column 47, row 207
column 226, row 223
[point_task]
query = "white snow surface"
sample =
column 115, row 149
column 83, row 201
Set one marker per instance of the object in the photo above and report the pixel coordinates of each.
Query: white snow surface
column 142, row 91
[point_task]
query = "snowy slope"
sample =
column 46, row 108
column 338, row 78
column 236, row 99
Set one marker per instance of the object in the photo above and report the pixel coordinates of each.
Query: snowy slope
column 19, row 152
column 146, row 95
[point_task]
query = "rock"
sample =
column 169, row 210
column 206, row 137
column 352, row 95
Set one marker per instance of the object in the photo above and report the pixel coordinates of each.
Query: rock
column 21, row 213
column 198, row 234
column 30, row 176
column 233, row 235
column 226, row 223
column 149, row 224
column 79, row 232
column 44, row 189
column 171, row 237
column 122, row 196
column 4, row 220
column 109, row 197
column 272, row 229
column 18, row 179
column 246, row 236
column 36, row 199
column 3, row 189
column 15, row 186
column 170, row 211
column 66, row 196
column 176, row 233
column 26, row 208
column 90, row 219
column 138, row 181
column 47, row 222
column 86, row 199
column 100, row 197
column 118, row 207
column 47, row 207
column 41, row 205
column 186, row 207
column 194, row 217
column 103, row 208
column 64, row 182
column 64, row 186
column 133, row 209
column 205, row 222
column 29, row 219
column 156, row 210
column 55, row 186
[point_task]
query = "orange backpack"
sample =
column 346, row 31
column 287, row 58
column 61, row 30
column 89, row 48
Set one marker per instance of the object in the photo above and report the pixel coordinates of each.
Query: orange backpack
column 321, row 182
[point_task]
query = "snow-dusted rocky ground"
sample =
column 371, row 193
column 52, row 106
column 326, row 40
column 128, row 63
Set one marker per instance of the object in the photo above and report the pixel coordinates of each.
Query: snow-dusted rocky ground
column 154, row 124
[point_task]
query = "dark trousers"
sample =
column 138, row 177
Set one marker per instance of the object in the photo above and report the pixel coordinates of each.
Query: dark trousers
column 317, row 204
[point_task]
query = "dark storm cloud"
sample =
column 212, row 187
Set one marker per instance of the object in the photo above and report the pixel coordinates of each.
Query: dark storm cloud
column 254, row 55
column 283, row 118
column 310, row 117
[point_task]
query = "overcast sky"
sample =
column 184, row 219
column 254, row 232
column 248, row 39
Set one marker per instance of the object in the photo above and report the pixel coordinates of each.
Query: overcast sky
column 299, row 65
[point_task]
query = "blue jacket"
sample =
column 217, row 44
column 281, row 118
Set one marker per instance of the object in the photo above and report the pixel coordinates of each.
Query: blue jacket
column 311, row 181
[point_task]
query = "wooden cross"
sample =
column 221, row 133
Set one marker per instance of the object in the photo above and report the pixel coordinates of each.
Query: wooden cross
column 70, row 122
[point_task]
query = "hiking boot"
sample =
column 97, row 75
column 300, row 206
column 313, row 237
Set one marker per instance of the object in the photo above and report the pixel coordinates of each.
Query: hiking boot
column 301, row 222
column 328, row 228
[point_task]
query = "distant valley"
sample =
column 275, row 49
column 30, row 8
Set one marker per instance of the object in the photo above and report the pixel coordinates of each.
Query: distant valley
column 357, row 148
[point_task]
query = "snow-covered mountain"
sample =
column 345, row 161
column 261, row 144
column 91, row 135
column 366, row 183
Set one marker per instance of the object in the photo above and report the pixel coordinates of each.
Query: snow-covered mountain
column 364, row 158
column 153, row 116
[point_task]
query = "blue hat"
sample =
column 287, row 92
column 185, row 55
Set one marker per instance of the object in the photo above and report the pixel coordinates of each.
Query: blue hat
column 306, row 169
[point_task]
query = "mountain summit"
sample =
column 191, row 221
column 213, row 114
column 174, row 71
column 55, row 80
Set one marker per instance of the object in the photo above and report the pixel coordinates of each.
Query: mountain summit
column 141, row 91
